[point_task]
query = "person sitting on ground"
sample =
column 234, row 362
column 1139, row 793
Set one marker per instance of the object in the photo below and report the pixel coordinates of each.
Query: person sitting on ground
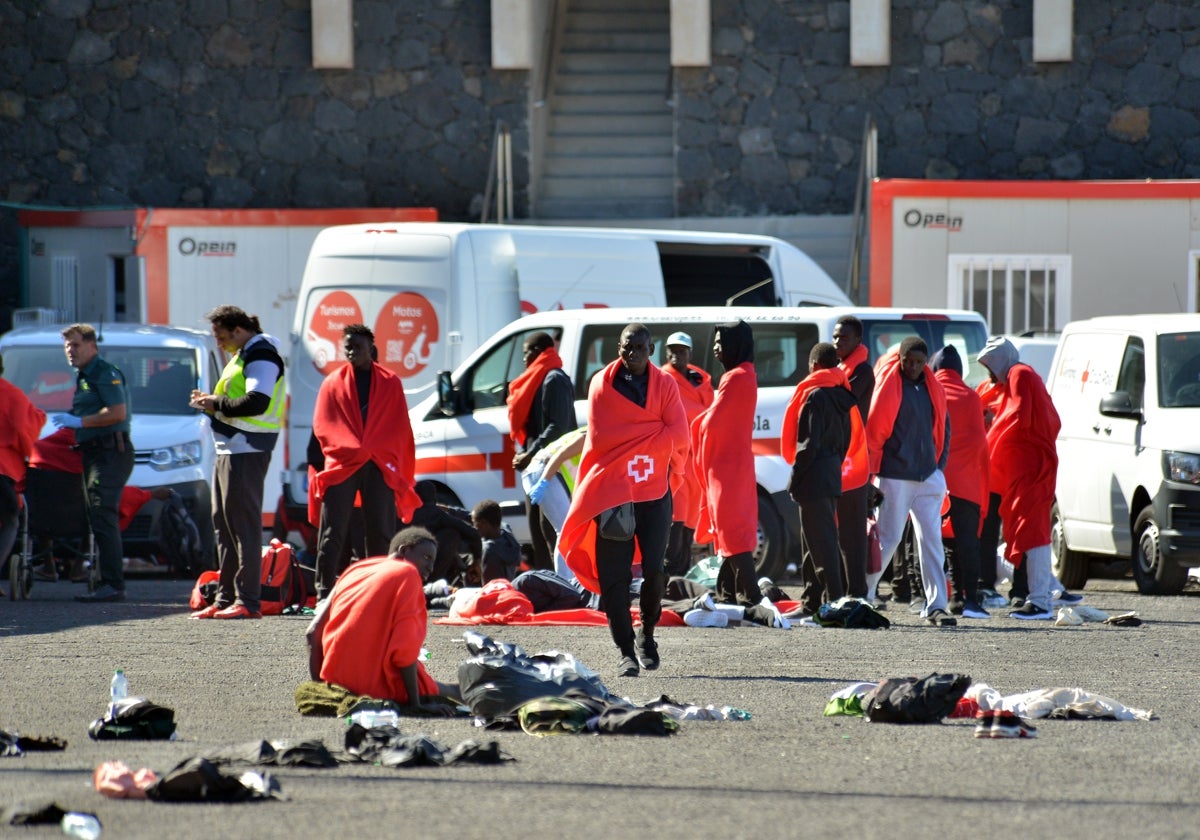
column 452, row 528
column 367, row 635
column 501, row 556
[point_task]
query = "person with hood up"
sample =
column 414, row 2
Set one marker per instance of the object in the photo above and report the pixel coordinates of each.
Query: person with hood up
column 966, row 480
column 1024, row 466
column 633, row 457
column 724, row 464
column 696, row 392
column 247, row 408
column 819, row 423
column 361, row 422
column 908, row 438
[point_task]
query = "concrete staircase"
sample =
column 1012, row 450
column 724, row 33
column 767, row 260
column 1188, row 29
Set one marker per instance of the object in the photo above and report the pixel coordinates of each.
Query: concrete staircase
column 609, row 146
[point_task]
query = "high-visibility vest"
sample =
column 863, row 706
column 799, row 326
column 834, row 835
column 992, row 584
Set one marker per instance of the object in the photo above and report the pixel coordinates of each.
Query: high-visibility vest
column 232, row 384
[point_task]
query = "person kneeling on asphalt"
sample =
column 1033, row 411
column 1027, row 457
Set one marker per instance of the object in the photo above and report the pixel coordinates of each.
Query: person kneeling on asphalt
column 367, row 635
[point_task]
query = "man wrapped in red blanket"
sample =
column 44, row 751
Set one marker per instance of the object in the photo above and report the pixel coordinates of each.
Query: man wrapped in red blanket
column 635, row 453
column 361, row 422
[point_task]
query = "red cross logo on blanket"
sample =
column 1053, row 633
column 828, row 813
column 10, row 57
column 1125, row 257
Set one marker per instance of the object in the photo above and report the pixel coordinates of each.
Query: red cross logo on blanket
column 640, row 468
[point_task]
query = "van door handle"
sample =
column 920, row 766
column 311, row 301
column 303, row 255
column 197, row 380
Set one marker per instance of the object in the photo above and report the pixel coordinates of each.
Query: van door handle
column 1107, row 429
column 1096, row 428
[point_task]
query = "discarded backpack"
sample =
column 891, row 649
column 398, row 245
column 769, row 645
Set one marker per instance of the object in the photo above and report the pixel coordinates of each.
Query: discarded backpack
column 204, row 592
column 915, row 700
column 282, row 579
column 134, row 719
column 179, row 538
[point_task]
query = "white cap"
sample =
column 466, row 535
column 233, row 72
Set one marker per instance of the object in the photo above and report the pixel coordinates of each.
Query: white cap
column 680, row 338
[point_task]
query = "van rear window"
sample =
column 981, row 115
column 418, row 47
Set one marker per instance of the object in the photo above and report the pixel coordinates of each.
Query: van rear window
column 780, row 351
column 967, row 337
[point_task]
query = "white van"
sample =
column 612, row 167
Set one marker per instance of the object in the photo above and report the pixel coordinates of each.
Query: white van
column 433, row 292
column 173, row 442
column 463, row 445
column 1127, row 389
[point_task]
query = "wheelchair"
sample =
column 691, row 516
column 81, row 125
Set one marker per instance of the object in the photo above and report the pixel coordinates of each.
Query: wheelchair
column 52, row 526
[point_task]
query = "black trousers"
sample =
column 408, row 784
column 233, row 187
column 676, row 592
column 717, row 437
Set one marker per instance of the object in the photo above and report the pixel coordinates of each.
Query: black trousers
column 989, row 541
column 379, row 520
column 965, row 558
column 852, row 536
column 614, row 568
column 822, row 556
column 679, row 549
column 105, row 472
column 237, row 516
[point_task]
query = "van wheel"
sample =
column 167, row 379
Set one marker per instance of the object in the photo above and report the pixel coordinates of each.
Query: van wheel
column 1155, row 574
column 770, row 555
column 1069, row 566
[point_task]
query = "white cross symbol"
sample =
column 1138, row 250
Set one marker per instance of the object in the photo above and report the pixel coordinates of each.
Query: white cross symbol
column 640, row 468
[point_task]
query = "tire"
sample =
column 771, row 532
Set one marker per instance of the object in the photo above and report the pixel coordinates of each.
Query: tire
column 770, row 556
column 1154, row 574
column 1069, row 566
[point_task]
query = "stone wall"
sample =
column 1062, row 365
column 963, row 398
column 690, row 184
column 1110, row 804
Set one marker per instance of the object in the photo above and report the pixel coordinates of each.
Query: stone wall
column 775, row 124
column 214, row 103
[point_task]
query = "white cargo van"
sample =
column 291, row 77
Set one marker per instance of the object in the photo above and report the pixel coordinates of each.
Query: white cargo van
column 461, row 432
column 433, row 292
column 1127, row 389
column 173, row 442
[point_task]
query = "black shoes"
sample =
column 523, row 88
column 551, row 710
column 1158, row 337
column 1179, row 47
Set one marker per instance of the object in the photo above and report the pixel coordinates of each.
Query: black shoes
column 941, row 618
column 647, row 651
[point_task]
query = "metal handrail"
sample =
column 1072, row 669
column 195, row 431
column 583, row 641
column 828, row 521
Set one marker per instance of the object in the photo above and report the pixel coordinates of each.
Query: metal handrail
column 499, row 176
column 868, row 166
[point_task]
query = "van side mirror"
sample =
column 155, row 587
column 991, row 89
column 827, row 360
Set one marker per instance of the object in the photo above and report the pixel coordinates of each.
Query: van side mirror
column 447, row 396
column 1119, row 404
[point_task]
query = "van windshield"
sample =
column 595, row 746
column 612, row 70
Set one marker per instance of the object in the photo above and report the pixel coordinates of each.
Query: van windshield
column 160, row 379
column 1179, row 370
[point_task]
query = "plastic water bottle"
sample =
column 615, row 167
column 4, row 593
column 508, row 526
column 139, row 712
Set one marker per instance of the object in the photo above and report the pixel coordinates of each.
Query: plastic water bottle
column 372, row 718
column 83, row 826
column 120, row 686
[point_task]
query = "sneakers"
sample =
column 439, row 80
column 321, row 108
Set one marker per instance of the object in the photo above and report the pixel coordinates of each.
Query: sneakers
column 1062, row 596
column 102, row 595
column 916, row 606
column 955, row 606
column 704, row 602
column 207, row 612
column 971, row 609
column 236, row 611
column 647, row 651
column 991, row 598
column 941, row 618
column 705, row 618
column 878, row 604
column 1031, row 611
column 628, row 666
column 1002, row 725
column 1016, row 602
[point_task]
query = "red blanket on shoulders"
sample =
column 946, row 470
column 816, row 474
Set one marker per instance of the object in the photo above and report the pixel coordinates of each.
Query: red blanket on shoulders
column 1024, row 460
column 967, row 463
column 696, row 398
column 724, row 464
column 632, row 454
column 885, row 402
column 20, row 424
column 523, row 390
column 386, row 438
column 854, row 467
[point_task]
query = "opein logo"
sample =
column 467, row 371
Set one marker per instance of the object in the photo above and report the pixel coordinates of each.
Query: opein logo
column 191, row 248
column 933, row 221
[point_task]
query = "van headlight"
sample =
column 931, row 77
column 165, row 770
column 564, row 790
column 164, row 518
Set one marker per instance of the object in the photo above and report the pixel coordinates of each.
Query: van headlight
column 174, row 457
column 1182, row 466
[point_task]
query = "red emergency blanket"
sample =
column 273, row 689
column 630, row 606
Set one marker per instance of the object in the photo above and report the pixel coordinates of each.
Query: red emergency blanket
column 885, row 402
column 523, row 390
column 632, row 454
column 967, row 463
column 695, row 399
column 386, row 438
column 854, row 467
column 20, row 424
column 724, row 464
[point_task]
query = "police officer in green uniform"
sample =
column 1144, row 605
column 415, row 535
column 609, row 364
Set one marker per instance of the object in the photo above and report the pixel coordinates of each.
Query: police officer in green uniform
column 100, row 415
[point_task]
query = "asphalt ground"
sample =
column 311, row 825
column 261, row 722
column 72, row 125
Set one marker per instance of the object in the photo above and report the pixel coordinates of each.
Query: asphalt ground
column 787, row 772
